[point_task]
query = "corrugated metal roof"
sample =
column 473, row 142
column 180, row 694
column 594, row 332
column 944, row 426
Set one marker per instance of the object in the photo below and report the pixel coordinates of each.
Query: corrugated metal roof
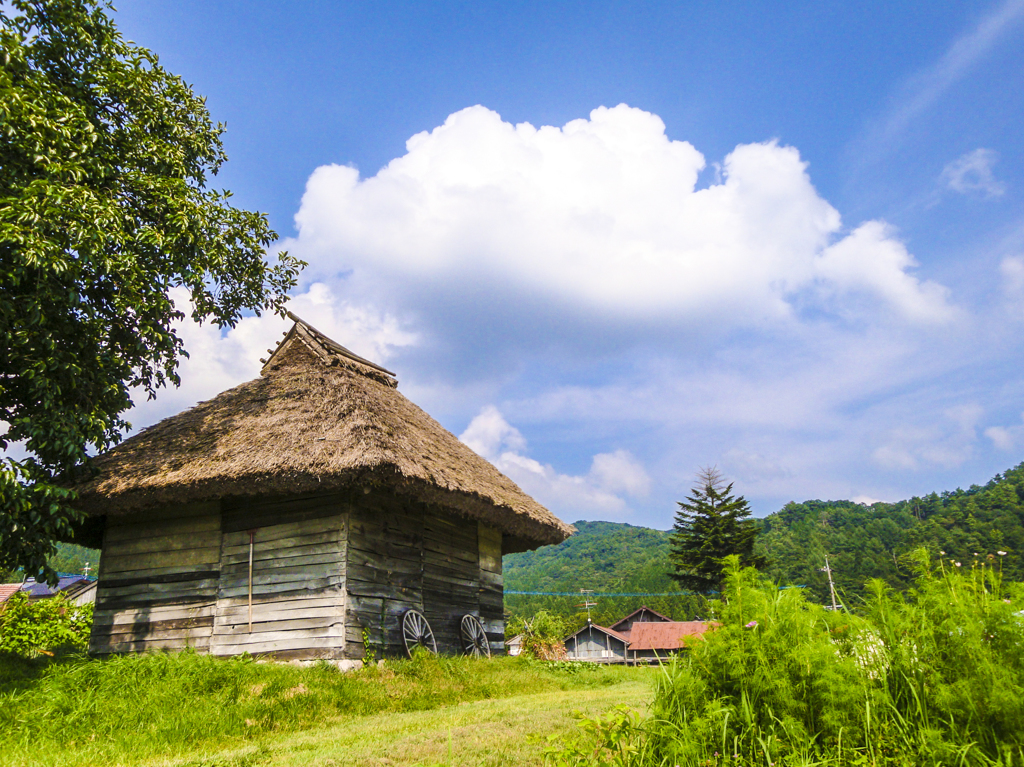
column 36, row 589
column 672, row 635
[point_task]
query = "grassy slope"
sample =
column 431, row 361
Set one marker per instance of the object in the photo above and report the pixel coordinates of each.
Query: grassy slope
column 506, row 732
column 158, row 707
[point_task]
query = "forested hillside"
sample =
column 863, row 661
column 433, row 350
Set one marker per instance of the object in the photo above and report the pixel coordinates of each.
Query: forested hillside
column 70, row 559
column 606, row 557
column 862, row 542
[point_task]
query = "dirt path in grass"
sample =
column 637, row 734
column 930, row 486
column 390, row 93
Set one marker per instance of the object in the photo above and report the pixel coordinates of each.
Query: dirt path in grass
column 507, row 732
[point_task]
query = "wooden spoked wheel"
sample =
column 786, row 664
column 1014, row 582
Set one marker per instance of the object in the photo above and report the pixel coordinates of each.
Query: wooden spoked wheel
column 416, row 633
column 474, row 638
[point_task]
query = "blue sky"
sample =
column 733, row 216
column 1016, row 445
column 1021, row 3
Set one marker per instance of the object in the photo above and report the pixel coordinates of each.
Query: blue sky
column 608, row 243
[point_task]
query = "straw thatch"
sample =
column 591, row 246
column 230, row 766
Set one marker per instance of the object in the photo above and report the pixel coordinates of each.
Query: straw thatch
column 319, row 419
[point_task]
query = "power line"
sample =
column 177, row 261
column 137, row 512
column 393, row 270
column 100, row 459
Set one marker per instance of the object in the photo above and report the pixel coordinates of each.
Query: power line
column 594, row 594
column 624, row 594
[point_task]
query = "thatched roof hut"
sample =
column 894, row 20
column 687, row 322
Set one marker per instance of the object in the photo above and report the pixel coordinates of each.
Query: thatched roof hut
column 350, row 506
column 318, row 419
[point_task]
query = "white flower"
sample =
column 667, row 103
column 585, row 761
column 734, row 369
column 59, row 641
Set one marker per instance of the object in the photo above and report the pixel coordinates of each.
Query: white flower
column 1001, row 553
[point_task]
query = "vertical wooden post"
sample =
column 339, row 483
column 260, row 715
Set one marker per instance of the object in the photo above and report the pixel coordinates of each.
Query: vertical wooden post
column 252, row 535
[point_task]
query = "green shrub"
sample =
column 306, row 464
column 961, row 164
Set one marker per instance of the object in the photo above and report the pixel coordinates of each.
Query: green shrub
column 936, row 677
column 43, row 626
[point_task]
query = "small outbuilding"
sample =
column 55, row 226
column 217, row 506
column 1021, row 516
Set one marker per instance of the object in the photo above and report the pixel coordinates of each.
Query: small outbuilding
column 597, row 644
column 77, row 589
column 314, row 512
column 643, row 636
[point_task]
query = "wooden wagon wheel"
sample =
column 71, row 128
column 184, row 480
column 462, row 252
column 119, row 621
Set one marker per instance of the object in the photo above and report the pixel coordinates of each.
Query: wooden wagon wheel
column 416, row 632
column 474, row 638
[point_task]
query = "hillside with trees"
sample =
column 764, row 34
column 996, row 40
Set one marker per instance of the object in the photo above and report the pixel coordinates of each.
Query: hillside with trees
column 606, row 557
column 864, row 542
column 861, row 542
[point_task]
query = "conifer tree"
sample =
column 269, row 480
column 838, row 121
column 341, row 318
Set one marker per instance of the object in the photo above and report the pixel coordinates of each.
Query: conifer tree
column 710, row 525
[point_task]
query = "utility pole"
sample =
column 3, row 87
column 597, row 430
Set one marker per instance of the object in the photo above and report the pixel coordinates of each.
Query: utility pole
column 831, row 585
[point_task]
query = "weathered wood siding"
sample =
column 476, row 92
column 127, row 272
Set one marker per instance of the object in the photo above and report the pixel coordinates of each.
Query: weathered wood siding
column 324, row 570
column 492, row 589
column 409, row 556
column 385, row 573
column 298, row 577
column 158, row 580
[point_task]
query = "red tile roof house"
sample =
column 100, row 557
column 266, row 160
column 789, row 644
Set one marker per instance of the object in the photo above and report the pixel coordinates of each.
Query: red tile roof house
column 7, row 589
column 641, row 637
column 656, row 641
column 642, row 615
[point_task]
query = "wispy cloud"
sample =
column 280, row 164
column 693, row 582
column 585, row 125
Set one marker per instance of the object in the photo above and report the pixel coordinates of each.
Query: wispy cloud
column 926, row 87
column 972, row 172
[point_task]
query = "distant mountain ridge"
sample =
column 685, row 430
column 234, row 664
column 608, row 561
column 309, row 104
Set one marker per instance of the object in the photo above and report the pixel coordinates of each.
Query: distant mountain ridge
column 606, row 557
column 862, row 542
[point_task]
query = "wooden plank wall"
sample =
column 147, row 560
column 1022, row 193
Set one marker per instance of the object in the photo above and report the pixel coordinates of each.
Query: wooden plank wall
column 324, row 569
column 451, row 577
column 158, row 580
column 405, row 555
column 492, row 590
column 385, row 572
column 298, row 578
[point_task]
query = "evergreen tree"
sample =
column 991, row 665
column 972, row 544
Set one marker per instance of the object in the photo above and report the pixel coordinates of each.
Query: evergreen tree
column 710, row 525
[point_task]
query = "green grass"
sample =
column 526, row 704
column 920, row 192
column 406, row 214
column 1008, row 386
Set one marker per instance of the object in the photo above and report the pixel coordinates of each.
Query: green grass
column 499, row 732
column 186, row 709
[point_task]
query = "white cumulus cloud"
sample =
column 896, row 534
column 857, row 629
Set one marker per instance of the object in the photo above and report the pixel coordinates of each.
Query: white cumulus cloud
column 602, row 219
column 599, row 493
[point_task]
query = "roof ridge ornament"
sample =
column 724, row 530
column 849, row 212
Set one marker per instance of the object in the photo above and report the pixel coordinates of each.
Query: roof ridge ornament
column 322, row 345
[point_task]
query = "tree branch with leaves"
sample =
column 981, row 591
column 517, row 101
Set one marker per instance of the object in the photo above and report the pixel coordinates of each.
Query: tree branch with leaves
column 104, row 209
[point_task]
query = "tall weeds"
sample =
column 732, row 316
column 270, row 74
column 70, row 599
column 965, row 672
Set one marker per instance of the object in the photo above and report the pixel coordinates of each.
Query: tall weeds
column 936, row 677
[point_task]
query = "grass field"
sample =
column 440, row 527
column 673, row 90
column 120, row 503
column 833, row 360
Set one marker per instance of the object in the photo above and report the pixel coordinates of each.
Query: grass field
column 505, row 732
column 195, row 711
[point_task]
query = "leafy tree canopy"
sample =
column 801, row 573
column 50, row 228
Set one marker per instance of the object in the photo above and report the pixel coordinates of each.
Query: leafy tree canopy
column 104, row 209
column 711, row 524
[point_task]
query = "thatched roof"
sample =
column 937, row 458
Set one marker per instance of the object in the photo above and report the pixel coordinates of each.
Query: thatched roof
column 319, row 419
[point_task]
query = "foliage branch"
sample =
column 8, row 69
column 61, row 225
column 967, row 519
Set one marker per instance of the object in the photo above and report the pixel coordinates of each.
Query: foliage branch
column 33, row 627
column 933, row 677
column 106, row 227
